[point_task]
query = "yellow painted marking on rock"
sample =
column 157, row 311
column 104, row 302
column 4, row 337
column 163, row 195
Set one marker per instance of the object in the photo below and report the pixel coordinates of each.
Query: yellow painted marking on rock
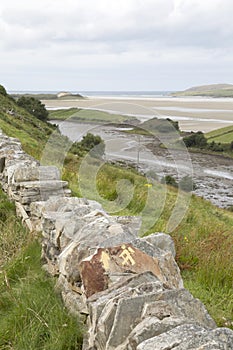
column 126, row 255
column 105, row 260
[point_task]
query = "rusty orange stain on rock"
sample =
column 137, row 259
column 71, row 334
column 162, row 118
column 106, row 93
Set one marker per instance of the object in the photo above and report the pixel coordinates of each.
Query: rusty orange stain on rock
column 97, row 269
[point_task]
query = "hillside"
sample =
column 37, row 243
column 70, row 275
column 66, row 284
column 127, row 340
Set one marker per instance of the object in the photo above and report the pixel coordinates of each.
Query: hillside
column 17, row 122
column 50, row 96
column 203, row 239
column 213, row 90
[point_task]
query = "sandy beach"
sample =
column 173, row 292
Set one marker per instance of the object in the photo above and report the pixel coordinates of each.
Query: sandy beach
column 193, row 114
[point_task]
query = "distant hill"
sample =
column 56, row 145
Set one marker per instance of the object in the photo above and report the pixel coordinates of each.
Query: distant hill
column 60, row 96
column 214, row 90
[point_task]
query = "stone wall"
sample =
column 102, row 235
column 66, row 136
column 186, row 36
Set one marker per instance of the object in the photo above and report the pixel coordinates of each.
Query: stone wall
column 128, row 290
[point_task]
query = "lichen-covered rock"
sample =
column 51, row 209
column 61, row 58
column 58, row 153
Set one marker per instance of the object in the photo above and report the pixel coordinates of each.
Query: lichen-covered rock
column 128, row 289
column 190, row 336
column 148, row 309
column 96, row 270
column 162, row 241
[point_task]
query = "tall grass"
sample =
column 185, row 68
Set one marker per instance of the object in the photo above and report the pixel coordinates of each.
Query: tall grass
column 204, row 244
column 203, row 239
column 32, row 315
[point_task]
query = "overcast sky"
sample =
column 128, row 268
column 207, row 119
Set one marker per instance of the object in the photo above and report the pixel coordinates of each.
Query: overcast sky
column 115, row 44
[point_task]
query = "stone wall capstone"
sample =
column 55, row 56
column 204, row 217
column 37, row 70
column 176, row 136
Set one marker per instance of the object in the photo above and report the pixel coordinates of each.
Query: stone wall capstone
column 128, row 290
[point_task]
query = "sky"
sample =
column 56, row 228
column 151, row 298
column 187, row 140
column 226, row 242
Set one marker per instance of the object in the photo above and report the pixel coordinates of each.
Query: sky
column 115, row 45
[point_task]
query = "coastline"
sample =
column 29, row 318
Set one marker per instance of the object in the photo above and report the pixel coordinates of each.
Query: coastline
column 193, row 114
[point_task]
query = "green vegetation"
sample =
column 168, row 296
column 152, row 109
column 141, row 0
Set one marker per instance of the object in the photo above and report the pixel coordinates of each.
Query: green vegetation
column 169, row 180
column 223, row 135
column 198, row 141
column 214, row 90
column 160, row 125
column 89, row 116
column 34, row 107
column 3, row 90
column 203, row 239
column 32, row 315
column 89, row 143
column 48, row 96
column 17, row 122
column 185, row 184
column 63, row 114
column 155, row 126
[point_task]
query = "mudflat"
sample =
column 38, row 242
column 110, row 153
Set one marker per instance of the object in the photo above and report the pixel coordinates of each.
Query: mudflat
column 193, row 114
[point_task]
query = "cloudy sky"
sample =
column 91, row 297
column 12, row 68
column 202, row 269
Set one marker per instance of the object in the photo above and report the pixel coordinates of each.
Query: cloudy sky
column 115, row 44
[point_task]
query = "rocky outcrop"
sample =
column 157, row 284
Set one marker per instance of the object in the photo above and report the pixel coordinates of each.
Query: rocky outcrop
column 128, row 290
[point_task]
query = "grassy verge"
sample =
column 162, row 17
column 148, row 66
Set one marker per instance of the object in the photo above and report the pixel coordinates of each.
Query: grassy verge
column 88, row 116
column 32, row 316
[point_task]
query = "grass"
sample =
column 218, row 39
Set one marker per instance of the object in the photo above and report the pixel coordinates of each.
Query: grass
column 203, row 239
column 223, row 135
column 16, row 122
column 88, row 116
column 214, row 90
column 32, row 315
column 62, row 114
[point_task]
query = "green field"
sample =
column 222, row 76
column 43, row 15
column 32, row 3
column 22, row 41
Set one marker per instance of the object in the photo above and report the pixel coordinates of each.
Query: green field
column 223, row 135
column 88, row 116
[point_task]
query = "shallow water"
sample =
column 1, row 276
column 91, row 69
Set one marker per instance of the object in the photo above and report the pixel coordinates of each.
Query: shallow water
column 213, row 175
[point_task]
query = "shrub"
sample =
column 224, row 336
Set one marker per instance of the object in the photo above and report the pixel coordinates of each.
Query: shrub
column 216, row 147
column 34, row 107
column 195, row 140
column 3, row 91
column 169, row 180
column 90, row 143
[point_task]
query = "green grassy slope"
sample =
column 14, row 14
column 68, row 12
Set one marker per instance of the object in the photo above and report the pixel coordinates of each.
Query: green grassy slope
column 214, row 90
column 204, row 239
column 32, row 132
column 223, row 135
column 16, row 122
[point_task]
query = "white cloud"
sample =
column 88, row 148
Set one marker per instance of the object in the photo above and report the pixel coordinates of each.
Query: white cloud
column 106, row 36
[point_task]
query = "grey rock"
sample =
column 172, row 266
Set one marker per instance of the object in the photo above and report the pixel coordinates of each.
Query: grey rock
column 167, row 263
column 36, row 173
column 150, row 327
column 161, row 241
column 190, row 336
column 137, row 309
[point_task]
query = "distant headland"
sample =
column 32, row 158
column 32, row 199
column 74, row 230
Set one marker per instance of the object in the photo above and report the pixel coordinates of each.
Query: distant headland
column 213, row 90
column 63, row 95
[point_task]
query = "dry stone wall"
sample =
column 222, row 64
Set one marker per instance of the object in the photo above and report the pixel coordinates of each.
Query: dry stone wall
column 128, row 289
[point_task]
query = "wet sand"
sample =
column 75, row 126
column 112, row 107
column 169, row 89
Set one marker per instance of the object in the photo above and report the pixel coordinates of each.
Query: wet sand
column 193, row 114
column 213, row 175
